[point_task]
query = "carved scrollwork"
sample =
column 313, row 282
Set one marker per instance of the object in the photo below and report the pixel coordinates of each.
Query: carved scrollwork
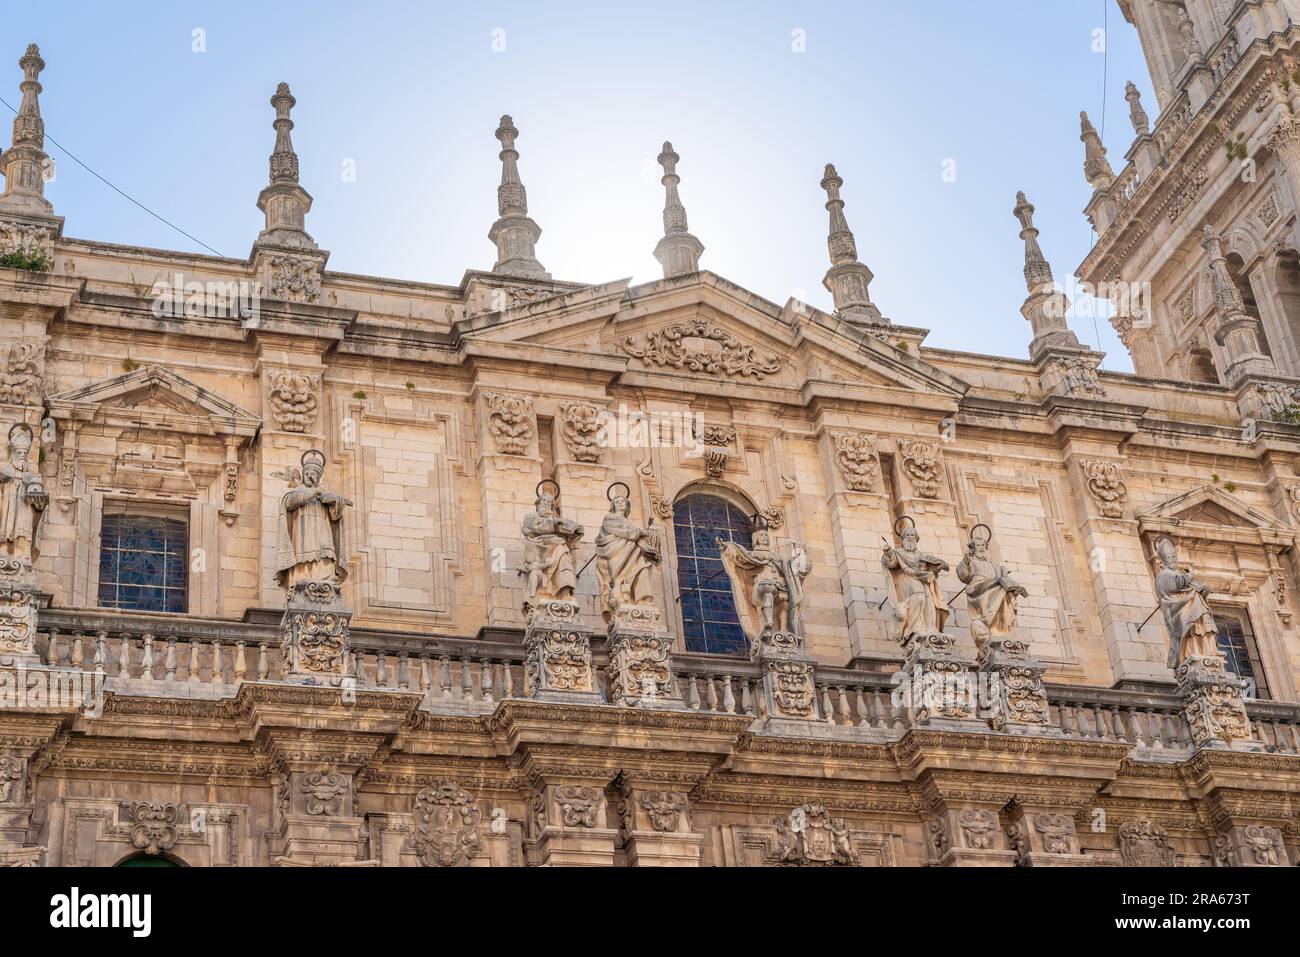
column 21, row 375
column 696, row 345
column 1106, row 486
column 920, row 462
column 324, row 791
column 577, row 804
column 153, row 827
column 580, row 429
column 294, row 399
column 855, row 455
column 295, row 279
column 511, row 422
column 447, row 826
column 1145, row 844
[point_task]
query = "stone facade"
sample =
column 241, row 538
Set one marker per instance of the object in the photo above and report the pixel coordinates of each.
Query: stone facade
column 438, row 691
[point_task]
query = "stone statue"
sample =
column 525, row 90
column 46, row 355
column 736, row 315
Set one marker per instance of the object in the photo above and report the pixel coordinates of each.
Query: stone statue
column 625, row 553
column 918, row 607
column 309, row 544
column 550, row 542
column 1191, row 627
column 22, row 501
column 991, row 593
column 767, row 589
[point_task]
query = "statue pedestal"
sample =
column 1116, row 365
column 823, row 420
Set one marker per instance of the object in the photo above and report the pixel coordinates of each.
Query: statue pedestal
column 640, row 669
column 314, row 634
column 1014, row 693
column 939, row 688
column 1213, row 704
column 787, row 689
column 557, row 654
column 18, row 604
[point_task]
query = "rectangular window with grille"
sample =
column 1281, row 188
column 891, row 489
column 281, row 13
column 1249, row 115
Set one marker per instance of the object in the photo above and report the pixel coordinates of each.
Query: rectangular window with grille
column 143, row 562
column 1237, row 643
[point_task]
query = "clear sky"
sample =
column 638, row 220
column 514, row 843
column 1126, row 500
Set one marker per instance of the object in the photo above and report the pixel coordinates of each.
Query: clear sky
column 408, row 94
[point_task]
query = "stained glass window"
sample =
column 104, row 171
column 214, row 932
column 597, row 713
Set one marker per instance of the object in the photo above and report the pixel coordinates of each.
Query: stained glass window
column 1237, row 642
column 708, row 609
column 143, row 563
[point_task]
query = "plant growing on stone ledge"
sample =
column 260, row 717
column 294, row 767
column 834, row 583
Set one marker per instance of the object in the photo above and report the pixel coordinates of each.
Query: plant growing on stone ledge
column 1289, row 413
column 31, row 261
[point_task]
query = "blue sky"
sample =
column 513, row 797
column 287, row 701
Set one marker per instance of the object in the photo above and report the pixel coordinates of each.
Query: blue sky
column 410, row 93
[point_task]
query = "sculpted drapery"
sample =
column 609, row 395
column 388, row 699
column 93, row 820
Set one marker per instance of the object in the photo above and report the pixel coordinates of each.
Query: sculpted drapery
column 1188, row 621
column 991, row 593
column 918, row 607
column 767, row 588
column 309, row 541
column 550, row 542
column 625, row 553
column 22, row 500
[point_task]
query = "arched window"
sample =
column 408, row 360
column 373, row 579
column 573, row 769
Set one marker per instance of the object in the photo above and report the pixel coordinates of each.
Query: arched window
column 709, row 619
column 146, row 860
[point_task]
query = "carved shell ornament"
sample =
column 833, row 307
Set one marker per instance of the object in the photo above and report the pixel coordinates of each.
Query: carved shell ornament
column 696, row 345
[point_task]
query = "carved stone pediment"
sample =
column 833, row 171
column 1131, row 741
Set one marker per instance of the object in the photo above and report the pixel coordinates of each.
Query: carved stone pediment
column 1211, row 514
column 154, row 397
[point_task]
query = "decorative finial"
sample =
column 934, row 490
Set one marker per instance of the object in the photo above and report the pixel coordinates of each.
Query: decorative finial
column 1096, row 168
column 1138, row 116
column 284, row 201
column 514, row 233
column 1045, row 306
column 678, row 252
column 847, row 279
column 25, row 162
column 1038, row 271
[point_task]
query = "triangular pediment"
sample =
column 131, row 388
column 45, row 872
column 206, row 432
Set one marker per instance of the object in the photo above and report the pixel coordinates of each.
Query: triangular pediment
column 1213, row 514
column 157, row 397
column 702, row 326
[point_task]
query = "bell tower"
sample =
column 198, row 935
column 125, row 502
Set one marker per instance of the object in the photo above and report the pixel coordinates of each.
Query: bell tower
column 1197, row 247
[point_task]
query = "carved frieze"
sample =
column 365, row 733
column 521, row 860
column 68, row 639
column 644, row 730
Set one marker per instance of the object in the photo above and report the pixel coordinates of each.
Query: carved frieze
column 511, row 422
column 697, row 345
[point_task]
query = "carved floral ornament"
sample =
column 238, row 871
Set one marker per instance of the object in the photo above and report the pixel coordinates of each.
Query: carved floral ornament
column 921, row 464
column 855, row 455
column 153, row 827
column 697, row 345
column 19, row 375
column 511, row 421
column 294, row 399
column 1145, row 844
column 324, row 790
column 580, row 428
column 664, row 809
column 26, row 238
column 295, row 279
column 1105, row 484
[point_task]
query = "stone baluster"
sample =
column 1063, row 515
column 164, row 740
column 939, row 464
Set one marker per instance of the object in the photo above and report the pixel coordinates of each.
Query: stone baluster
column 101, row 652
column 359, row 668
column 1135, row 728
column 728, row 696
column 710, row 693
column 1153, row 725
column 403, row 672
column 218, row 663
column 124, row 656
column 194, row 660
column 746, row 696
column 485, row 679
column 828, row 713
column 241, row 666
column 508, row 679
column 1103, row 730
column 146, row 658
column 381, row 670
column 846, row 715
column 1117, row 723
column 693, row 693
column 466, row 680
column 444, row 682
column 263, row 666
column 52, row 648
column 169, row 661
column 424, row 674
column 77, row 656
